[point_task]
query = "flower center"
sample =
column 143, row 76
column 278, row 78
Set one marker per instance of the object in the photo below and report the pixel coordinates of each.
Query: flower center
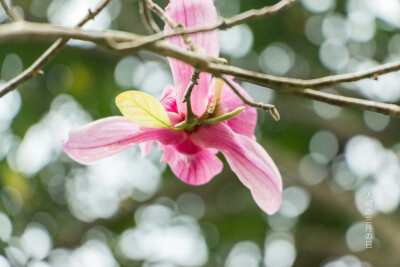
column 208, row 119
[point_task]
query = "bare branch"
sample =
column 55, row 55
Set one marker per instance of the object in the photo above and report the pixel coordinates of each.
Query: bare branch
column 270, row 80
column 285, row 83
column 372, row 73
column 161, row 13
column 190, row 116
column 255, row 14
column 245, row 17
column 27, row 31
column 175, row 27
column 147, row 18
column 35, row 68
column 222, row 25
column 37, row 31
column 92, row 14
column 267, row 107
column 350, row 102
column 14, row 16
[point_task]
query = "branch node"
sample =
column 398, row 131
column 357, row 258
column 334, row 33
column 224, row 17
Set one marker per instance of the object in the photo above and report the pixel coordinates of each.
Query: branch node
column 147, row 18
column 10, row 12
column 275, row 114
column 190, row 116
column 91, row 14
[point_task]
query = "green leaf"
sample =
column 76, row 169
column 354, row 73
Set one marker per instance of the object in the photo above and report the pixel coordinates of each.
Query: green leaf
column 143, row 109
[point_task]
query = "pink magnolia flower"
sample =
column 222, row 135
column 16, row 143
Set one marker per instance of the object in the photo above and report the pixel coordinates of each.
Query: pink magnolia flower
column 189, row 151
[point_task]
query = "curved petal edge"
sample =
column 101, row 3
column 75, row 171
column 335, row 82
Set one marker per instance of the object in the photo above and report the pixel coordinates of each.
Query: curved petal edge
column 251, row 163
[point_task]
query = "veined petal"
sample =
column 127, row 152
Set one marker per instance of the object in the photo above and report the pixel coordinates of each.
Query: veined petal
column 106, row 137
column 251, row 163
column 195, row 168
column 193, row 14
column 245, row 123
column 168, row 99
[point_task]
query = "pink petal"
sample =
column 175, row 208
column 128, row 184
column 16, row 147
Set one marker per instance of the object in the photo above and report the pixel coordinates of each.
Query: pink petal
column 193, row 14
column 245, row 123
column 168, row 100
column 192, row 164
column 248, row 160
column 145, row 148
column 102, row 138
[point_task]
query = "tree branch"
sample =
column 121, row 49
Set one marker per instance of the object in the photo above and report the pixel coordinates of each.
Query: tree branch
column 222, row 25
column 372, row 73
column 14, row 16
column 227, row 23
column 275, row 82
column 175, row 27
column 350, row 102
column 35, row 68
column 190, row 116
column 267, row 107
column 147, row 18
column 254, row 14
column 206, row 63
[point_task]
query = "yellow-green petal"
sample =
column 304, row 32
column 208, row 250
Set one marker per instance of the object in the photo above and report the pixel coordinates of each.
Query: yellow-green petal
column 143, row 109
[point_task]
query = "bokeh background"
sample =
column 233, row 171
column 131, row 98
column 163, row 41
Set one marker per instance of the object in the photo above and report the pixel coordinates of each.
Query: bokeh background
column 131, row 211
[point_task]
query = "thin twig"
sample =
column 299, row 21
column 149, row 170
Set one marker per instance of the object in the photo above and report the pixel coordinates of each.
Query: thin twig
column 223, row 24
column 147, row 18
column 14, row 16
column 350, row 102
column 267, row 107
column 241, row 18
column 35, row 68
column 255, row 14
column 174, row 26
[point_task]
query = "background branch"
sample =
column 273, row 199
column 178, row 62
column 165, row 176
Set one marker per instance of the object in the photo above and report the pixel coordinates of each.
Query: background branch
column 267, row 107
column 222, row 25
column 35, row 68
column 350, row 102
column 147, row 18
column 37, row 31
column 175, row 27
column 14, row 16
column 226, row 23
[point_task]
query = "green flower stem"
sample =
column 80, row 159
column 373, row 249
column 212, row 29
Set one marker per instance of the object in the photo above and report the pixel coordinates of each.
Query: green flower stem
column 222, row 118
column 185, row 126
